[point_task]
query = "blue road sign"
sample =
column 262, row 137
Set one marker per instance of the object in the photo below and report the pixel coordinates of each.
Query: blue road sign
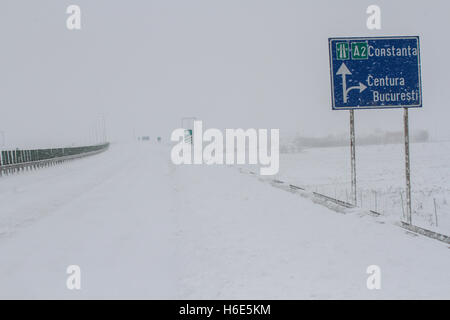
column 375, row 72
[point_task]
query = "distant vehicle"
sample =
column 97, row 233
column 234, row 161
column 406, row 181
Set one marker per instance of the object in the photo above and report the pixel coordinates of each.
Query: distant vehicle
column 145, row 138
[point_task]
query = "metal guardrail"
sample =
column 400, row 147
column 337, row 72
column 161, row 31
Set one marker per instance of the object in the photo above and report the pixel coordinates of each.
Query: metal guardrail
column 20, row 160
column 401, row 224
column 425, row 232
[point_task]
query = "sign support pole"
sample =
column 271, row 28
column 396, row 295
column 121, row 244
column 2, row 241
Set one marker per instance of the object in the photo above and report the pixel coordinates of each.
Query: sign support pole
column 353, row 156
column 407, row 166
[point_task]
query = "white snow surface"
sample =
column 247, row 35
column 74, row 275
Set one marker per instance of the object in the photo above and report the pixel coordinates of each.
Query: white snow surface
column 380, row 172
column 141, row 227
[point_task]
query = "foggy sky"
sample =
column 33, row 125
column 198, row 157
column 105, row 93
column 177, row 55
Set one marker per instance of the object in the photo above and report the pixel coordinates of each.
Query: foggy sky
column 247, row 63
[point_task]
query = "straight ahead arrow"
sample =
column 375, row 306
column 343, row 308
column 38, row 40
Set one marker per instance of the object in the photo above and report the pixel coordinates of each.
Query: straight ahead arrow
column 343, row 71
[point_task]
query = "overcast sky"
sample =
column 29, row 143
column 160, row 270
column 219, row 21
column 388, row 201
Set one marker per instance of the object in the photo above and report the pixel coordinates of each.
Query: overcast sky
column 247, row 63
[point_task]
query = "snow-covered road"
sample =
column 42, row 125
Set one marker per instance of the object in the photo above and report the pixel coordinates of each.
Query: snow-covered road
column 107, row 213
column 140, row 227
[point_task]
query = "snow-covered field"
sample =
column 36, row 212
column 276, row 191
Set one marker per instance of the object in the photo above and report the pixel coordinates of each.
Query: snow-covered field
column 380, row 179
column 140, row 227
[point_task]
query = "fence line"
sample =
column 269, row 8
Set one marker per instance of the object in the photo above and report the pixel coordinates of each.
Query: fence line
column 13, row 161
column 287, row 186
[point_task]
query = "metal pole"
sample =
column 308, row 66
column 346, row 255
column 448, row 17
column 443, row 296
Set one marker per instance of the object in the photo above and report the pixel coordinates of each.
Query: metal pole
column 104, row 128
column 3, row 138
column 407, row 167
column 353, row 156
column 94, row 134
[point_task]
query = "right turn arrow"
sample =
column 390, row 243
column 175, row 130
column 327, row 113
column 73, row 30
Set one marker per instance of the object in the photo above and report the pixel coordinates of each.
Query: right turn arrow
column 343, row 71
